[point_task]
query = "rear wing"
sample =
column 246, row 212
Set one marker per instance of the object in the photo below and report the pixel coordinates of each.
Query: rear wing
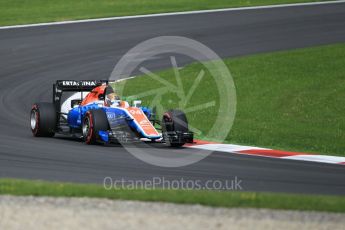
column 78, row 86
column 73, row 86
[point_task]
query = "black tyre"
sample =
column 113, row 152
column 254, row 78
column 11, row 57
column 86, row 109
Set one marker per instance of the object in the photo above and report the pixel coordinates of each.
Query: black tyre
column 174, row 121
column 94, row 121
column 43, row 119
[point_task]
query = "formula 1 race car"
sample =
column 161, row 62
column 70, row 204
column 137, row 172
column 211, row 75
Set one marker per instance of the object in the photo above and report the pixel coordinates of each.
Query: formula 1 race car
column 101, row 117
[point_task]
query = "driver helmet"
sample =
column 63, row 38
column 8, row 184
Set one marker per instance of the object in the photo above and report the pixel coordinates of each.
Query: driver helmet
column 111, row 98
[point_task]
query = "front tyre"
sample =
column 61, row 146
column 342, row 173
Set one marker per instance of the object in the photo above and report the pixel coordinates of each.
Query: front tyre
column 43, row 119
column 174, row 125
column 94, row 121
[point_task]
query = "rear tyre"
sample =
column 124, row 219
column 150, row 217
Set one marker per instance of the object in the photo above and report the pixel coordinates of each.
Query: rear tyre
column 94, row 121
column 174, row 121
column 43, row 119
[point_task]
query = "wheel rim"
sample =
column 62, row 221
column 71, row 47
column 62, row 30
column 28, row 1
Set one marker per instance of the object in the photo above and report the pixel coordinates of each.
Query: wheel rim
column 33, row 119
column 86, row 127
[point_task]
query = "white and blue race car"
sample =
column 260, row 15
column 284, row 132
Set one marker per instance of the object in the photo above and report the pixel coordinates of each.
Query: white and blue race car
column 101, row 117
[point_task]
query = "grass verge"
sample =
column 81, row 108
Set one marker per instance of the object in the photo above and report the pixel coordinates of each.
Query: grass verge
column 291, row 100
column 35, row 11
column 208, row 198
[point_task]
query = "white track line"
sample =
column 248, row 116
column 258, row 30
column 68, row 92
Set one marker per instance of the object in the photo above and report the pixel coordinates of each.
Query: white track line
column 224, row 147
column 173, row 14
column 317, row 158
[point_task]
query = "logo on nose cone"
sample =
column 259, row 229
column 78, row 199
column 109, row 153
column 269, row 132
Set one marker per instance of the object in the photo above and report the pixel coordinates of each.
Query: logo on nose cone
column 145, row 123
column 135, row 111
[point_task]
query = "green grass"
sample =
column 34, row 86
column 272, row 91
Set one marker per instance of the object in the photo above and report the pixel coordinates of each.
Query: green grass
column 293, row 100
column 34, row 11
column 208, row 198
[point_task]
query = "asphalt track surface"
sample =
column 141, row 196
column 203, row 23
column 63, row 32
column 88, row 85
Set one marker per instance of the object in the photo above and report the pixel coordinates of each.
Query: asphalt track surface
column 33, row 58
